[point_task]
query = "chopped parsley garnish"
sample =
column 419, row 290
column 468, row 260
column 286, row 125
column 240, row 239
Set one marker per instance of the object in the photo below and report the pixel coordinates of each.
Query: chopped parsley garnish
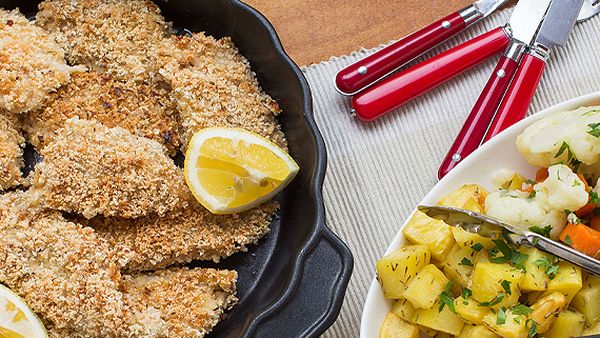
column 576, row 183
column 501, row 318
column 466, row 293
column 594, row 197
column 545, row 231
column 571, row 159
column 521, row 309
column 494, row 301
column 550, row 265
column 530, row 181
column 568, row 240
column 595, row 129
column 506, row 286
column 477, row 246
column 531, row 194
column 446, row 298
column 508, row 255
column 532, row 328
column 466, row 261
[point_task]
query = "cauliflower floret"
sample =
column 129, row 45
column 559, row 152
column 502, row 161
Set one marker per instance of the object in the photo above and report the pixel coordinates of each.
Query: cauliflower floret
column 517, row 208
column 571, row 132
column 562, row 190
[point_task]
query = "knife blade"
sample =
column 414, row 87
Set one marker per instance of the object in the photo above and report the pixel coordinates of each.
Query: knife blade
column 555, row 29
column 523, row 24
column 396, row 90
column 492, row 228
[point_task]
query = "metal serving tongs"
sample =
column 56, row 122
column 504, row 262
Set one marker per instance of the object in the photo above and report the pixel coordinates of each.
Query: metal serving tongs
column 492, row 228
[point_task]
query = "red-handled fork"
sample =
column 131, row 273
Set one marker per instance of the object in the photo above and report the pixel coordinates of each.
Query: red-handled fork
column 369, row 70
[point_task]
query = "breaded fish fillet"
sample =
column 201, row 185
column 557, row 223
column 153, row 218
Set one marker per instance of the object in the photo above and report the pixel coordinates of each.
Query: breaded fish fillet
column 144, row 110
column 66, row 273
column 114, row 36
column 91, row 169
column 214, row 86
column 31, row 63
column 191, row 301
column 11, row 151
column 71, row 278
column 186, row 235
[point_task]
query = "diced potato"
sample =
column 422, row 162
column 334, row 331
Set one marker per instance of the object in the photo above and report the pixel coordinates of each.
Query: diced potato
column 568, row 281
column 469, row 310
column 394, row 327
column 587, row 300
column 545, row 309
column 404, row 309
column 476, row 331
column 459, row 265
column 487, row 283
column 397, row 268
column 514, row 183
column 467, row 239
column 469, row 196
column 421, row 229
column 594, row 329
column 515, row 326
column 569, row 323
column 534, row 279
column 424, row 290
column 443, row 321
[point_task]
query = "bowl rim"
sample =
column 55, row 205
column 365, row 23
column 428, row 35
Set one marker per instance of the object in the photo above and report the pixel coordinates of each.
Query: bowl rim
column 374, row 292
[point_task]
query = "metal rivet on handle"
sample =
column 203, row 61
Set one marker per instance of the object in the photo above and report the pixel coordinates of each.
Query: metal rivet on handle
column 353, row 112
column 501, row 73
column 456, row 157
column 362, row 70
column 446, row 24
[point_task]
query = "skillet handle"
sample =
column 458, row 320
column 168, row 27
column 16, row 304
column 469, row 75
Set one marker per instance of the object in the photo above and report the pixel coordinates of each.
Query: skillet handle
column 573, row 256
column 317, row 296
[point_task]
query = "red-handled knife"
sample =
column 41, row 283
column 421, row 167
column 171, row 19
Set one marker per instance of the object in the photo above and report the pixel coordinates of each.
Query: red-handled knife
column 404, row 86
column 554, row 31
column 373, row 68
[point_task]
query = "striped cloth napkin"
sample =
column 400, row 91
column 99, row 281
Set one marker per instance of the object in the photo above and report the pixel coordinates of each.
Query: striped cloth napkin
column 378, row 171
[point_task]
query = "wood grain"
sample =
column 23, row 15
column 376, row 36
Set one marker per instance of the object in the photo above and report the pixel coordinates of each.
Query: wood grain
column 315, row 30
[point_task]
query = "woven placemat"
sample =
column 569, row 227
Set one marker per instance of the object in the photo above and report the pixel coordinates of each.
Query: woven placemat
column 378, row 171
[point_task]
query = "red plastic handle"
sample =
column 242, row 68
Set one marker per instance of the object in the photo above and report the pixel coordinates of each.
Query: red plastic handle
column 374, row 67
column 519, row 95
column 398, row 89
column 471, row 135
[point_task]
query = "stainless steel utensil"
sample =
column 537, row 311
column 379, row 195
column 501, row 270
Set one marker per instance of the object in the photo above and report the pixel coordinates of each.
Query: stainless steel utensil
column 492, row 228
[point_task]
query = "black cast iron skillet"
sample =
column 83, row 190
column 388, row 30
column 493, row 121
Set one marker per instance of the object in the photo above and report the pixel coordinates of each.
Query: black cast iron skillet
column 293, row 282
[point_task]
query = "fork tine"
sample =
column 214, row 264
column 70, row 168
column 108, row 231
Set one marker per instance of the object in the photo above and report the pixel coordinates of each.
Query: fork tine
column 589, row 9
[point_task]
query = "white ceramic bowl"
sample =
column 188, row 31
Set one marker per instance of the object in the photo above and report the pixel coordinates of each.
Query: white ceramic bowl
column 498, row 153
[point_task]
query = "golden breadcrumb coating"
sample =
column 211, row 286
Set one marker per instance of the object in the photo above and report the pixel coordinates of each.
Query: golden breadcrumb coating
column 114, row 36
column 11, row 151
column 214, row 86
column 65, row 272
column 31, row 63
column 71, row 278
column 191, row 301
column 184, row 235
column 91, row 169
column 145, row 110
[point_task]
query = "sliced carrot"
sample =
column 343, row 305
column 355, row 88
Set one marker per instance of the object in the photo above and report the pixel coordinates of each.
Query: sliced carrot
column 595, row 223
column 541, row 175
column 527, row 188
column 586, row 210
column 582, row 238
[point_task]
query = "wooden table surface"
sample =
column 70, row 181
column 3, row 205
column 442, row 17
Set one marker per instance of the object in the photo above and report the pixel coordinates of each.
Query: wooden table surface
column 315, row 30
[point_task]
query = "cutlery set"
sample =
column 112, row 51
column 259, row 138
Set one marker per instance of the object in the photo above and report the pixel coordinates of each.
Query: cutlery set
column 377, row 86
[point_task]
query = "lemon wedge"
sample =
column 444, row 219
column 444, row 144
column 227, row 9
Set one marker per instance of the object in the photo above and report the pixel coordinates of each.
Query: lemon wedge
column 231, row 170
column 16, row 318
